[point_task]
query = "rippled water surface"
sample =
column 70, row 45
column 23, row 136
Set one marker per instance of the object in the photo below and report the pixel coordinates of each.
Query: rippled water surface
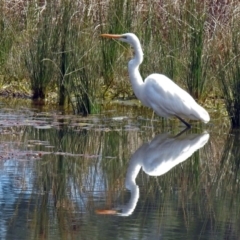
column 119, row 174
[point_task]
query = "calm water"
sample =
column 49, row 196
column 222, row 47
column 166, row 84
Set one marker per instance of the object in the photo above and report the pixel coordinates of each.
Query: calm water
column 120, row 174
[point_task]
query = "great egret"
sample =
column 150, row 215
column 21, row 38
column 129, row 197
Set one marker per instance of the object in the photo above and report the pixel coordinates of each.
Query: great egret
column 156, row 158
column 159, row 92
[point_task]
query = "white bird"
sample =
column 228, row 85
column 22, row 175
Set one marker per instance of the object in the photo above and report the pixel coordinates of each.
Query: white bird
column 157, row 91
column 157, row 158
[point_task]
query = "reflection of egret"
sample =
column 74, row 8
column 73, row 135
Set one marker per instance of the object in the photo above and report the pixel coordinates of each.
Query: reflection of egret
column 157, row 91
column 156, row 158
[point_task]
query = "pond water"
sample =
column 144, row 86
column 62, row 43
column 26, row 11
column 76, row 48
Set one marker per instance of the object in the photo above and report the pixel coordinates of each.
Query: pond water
column 120, row 174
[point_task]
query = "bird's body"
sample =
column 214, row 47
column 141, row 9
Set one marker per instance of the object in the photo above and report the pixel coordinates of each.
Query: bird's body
column 157, row 91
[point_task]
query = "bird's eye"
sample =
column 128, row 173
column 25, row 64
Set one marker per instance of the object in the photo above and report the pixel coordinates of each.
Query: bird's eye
column 125, row 37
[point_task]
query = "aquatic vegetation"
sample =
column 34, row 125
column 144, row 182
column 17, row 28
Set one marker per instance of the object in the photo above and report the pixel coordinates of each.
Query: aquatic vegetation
column 40, row 49
column 196, row 57
column 7, row 38
column 75, row 61
column 59, row 50
column 6, row 41
column 228, row 66
column 55, row 59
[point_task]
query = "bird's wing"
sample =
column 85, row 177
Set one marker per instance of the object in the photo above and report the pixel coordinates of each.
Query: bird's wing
column 166, row 98
column 159, row 159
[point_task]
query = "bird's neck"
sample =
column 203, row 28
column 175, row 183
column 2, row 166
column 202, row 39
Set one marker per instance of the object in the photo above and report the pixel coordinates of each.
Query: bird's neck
column 133, row 69
column 130, row 184
column 134, row 167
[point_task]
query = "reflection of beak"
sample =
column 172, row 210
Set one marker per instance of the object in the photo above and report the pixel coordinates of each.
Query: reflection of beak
column 106, row 211
column 115, row 36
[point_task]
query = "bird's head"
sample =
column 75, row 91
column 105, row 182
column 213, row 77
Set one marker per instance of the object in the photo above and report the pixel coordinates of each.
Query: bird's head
column 129, row 38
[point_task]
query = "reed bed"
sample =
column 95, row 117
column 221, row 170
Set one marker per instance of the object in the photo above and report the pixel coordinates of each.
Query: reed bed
column 194, row 43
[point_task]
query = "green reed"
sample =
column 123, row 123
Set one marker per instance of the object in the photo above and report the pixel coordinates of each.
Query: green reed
column 6, row 40
column 154, row 30
column 41, row 49
column 228, row 67
column 60, row 54
column 197, row 63
column 74, row 54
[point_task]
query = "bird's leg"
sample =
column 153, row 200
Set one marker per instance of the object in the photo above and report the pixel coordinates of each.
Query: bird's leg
column 183, row 131
column 152, row 116
column 186, row 123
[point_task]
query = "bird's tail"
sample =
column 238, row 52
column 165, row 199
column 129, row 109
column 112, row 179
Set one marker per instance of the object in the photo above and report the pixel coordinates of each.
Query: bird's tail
column 204, row 116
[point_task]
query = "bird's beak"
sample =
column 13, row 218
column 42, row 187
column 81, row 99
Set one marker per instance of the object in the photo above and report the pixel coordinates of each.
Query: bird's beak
column 106, row 212
column 114, row 36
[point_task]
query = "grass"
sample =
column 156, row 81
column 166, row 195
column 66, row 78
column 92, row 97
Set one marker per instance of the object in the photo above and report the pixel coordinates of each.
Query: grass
column 228, row 67
column 55, row 58
column 41, row 47
column 197, row 61
column 62, row 50
column 75, row 85
column 7, row 39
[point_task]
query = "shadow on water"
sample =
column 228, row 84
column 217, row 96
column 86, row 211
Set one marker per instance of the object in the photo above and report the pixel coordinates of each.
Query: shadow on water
column 57, row 170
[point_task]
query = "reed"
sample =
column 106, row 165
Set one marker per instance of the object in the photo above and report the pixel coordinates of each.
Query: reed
column 197, row 58
column 6, row 37
column 59, row 54
column 59, row 45
column 154, row 26
column 5, row 44
column 42, row 42
column 74, row 83
column 228, row 65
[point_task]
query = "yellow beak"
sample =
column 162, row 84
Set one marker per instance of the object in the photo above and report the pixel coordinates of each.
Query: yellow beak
column 114, row 36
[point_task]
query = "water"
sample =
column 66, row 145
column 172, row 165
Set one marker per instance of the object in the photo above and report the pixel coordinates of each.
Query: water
column 120, row 174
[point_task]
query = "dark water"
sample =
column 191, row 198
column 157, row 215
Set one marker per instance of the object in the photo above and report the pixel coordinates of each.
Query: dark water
column 115, row 175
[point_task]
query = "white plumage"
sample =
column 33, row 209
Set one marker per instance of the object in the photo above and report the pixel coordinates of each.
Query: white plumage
column 159, row 92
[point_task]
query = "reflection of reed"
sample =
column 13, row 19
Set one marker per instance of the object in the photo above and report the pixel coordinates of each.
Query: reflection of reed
column 220, row 191
column 228, row 174
column 86, row 168
column 61, row 176
column 156, row 158
column 77, row 172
